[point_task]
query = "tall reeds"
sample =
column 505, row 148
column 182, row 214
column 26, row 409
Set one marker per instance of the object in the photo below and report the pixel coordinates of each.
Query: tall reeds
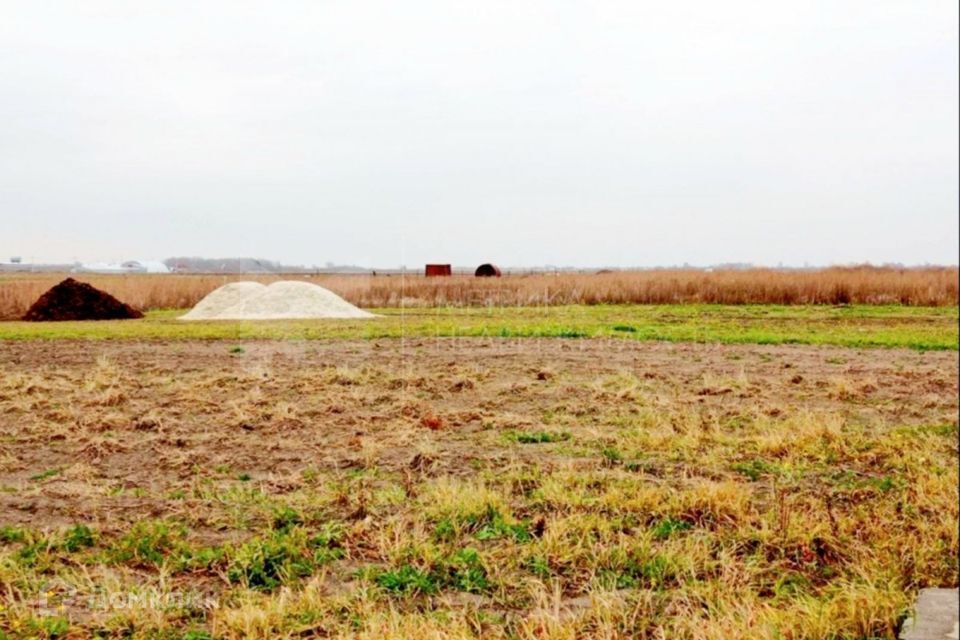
column 928, row 286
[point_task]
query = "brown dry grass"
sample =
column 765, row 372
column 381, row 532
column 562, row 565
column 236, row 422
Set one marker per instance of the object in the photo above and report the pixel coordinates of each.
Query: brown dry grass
column 594, row 490
column 932, row 286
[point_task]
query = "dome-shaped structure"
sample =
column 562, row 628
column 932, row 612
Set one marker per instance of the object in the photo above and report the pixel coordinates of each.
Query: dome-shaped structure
column 487, row 270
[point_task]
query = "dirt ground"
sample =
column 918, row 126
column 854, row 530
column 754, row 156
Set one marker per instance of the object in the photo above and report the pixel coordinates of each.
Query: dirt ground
column 118, row 415
column 719, row 490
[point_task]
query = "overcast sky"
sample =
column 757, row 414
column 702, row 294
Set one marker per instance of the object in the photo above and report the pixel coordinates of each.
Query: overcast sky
column 524, row 133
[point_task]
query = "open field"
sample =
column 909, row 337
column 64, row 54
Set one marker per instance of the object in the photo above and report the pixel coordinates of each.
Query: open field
column 478, row 487
column 552, row 471
column 923, row 328
column 204, row 435
column 933, row 286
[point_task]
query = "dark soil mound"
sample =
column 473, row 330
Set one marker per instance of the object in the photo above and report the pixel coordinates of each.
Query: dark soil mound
column 72, row 300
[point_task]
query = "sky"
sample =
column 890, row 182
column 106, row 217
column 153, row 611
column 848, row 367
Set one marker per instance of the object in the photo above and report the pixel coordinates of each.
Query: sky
column 381, row 133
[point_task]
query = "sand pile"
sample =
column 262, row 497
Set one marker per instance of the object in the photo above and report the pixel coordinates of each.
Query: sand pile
column 72, row 300
column 219, row 300
column 284, row 300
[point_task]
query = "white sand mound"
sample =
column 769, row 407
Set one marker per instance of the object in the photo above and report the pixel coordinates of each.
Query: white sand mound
column 288, row 299
column 219, row 300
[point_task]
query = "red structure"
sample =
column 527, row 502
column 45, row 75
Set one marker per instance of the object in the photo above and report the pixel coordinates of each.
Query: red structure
column 438, row 270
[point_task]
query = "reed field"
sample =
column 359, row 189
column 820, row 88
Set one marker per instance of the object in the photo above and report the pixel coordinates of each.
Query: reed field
column 933, row 286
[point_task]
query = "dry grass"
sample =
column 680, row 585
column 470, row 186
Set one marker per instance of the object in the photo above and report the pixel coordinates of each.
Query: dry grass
column 572, row 490
column 934, row 286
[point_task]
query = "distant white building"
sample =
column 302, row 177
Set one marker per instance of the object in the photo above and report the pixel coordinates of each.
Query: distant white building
column 148, row 266
column 129, row 266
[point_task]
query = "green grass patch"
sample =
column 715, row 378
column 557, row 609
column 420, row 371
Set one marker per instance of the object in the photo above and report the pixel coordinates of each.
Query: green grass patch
column 466, row 571
column 491, row 525
column 78, row 537
column 265, row 563
column 538, row 437
column 148, row 544
column 462, row 570
column 49, row 473
column 9, row 535
column 632, row 569
column 922, row 328
column 753, row 469
column 668, row 527
column 407, row 580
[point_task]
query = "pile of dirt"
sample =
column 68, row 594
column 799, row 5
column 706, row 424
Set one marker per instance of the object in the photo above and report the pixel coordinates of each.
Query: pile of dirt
column 72, row 300
column 284, row 300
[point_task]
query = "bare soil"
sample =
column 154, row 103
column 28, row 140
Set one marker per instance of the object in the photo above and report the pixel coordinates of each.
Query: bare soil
column 105, row 432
